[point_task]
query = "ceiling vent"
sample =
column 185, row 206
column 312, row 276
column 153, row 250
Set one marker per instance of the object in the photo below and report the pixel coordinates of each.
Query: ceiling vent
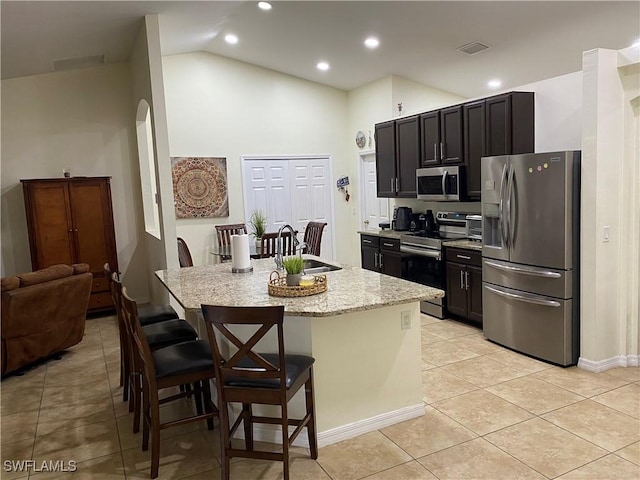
column 472, row 48
column 73, row 63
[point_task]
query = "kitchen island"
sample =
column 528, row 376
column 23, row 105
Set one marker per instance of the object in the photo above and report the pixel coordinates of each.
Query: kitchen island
column 364, row 333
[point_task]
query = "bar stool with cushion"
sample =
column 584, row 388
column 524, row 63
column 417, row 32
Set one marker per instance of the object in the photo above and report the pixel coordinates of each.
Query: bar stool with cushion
column 313, row 237
column 147, row 315
column 224, row 232
column 158, row 335
column 268, row 245
column 247, row 377
column 180, row 364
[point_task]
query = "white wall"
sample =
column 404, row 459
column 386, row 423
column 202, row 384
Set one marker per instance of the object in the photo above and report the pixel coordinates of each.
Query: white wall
column 610, row 197
column 224, row 108
column 147, row 84
column 82, row 119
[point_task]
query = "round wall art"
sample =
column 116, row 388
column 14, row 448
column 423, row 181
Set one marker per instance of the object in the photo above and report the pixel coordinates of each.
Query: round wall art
column 200, row 186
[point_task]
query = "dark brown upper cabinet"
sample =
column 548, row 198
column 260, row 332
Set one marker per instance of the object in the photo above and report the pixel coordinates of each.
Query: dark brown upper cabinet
column 385, row 136
column 500, row 125
column 441, row 138
column 397, row 157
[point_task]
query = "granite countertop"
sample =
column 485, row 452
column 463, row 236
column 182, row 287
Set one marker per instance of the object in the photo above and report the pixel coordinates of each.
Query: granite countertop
column 351, row 289
column 381, row 233
column 466, row 244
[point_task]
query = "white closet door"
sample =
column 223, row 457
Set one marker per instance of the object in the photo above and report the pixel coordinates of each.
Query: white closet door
column 267, row 188
column 311, row 198
column 374, row 209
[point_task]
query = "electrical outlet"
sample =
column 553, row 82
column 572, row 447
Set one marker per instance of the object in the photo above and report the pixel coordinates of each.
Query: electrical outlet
column 405, row 320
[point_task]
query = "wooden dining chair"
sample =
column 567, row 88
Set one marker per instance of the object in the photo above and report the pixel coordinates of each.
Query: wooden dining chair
column 186, row 363
column 158, row 335
column 268, row 245
column 224, row 232
column 313, row 237
column 184, row 255
column 247, row 377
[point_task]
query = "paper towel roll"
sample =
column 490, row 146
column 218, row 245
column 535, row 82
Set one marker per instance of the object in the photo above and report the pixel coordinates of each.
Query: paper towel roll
column 240, row 252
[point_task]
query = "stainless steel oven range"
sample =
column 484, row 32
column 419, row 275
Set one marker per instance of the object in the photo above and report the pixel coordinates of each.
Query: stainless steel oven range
column 422, row 259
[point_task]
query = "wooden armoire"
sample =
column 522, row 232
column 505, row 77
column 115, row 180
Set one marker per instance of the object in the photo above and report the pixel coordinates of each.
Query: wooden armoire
column 70, row 220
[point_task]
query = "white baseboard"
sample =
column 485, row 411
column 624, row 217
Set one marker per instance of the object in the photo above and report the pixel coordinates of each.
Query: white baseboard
column 272, row 434
column 613, row 362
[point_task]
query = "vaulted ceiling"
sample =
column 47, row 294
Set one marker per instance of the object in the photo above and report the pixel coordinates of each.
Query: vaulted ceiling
column 528, row 40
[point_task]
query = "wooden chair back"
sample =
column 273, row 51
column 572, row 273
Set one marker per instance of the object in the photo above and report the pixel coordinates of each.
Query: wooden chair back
column 244, row 362
column 268, row 245
column 184, row 256
column 313, row 237
column 224, row 232
column 141, row 351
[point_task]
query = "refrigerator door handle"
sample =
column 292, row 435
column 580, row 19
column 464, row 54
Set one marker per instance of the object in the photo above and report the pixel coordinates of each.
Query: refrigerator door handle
column 522, row 298
column 524, row 271
column 501, row 216
column 509, row 195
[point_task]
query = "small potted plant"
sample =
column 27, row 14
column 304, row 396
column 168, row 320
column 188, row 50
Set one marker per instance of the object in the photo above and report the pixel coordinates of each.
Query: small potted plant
column 294, row 266
column 258, row 224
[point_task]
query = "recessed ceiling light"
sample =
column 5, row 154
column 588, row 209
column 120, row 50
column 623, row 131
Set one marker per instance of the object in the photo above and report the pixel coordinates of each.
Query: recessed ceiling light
column 372, row 42
column 231, row 38
column 494, row 83
column 324, row 66
column 264, row 5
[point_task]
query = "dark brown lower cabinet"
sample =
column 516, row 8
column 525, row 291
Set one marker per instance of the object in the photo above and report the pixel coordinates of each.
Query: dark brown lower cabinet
column 464, row 284
column 381, row 254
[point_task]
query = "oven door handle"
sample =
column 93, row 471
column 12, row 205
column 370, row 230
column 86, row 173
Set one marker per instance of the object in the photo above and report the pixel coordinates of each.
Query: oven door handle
column 422, row 252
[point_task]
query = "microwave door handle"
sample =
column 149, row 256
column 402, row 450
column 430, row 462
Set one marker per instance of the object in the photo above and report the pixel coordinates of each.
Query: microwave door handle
column 444, row 183
column 501, row 215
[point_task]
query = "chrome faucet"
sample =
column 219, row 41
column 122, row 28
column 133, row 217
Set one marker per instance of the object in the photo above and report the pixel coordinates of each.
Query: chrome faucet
column 279, row 256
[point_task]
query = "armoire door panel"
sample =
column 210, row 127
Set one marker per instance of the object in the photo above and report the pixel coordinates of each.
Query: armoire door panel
column 53, row 235
column 88, row 221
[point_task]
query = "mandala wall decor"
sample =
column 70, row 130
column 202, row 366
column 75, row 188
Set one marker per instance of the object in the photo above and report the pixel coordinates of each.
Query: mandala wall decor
column 200, row 187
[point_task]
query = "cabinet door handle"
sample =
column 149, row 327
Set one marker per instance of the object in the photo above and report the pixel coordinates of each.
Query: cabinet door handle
column 466, row 280
column 462, row 280
column 441, row 150
column 435, row 151
column 387, row 244
column 375, row 260
column 463, row 256
column 381, row 261
column 366, row 241
column 392, row 183
column 397, row 185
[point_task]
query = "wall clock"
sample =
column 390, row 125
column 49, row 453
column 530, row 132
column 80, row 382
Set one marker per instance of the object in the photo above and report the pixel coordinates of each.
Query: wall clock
column 361, row 140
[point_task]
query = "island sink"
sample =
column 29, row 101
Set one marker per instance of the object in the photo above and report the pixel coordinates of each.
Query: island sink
column 312, row 266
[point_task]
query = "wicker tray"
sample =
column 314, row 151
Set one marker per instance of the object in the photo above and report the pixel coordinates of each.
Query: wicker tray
column 278, row 286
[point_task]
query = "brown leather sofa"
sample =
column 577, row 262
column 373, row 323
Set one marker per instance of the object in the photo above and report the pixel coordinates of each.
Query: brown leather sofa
column 43, row 312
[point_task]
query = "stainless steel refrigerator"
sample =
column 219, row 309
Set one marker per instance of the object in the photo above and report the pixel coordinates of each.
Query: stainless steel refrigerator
column 530, row 253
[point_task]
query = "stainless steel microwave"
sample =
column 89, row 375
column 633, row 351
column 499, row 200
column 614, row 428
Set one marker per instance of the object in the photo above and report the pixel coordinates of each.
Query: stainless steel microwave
column 441, row 183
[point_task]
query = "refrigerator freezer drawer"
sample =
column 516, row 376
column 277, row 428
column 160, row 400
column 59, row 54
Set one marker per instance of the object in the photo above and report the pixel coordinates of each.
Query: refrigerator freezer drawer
column 542, row 327
column 538, row 280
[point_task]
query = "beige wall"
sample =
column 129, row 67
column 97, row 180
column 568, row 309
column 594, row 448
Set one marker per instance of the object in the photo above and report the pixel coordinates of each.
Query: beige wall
column 224, row 108
column 82, row 119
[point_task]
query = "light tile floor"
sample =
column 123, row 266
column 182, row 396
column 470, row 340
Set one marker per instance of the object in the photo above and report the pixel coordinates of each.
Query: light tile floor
column 490, row 414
